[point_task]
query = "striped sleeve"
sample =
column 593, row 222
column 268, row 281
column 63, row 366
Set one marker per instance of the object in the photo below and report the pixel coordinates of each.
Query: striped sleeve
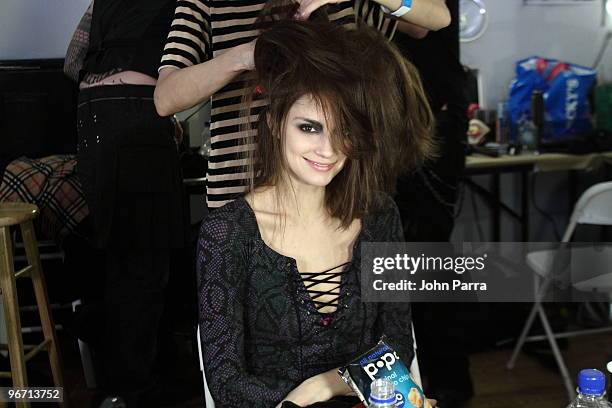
column 371, row 13
column 189, row 39
column 225, row 24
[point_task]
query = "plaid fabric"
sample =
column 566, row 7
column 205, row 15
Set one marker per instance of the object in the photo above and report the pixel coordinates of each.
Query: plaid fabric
column 52, row 184
column 79, row 44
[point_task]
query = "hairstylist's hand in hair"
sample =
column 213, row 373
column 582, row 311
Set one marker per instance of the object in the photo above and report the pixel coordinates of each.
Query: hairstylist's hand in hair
column 180, row 89
column 247, row 55
column 307, row 7
column 428, row 14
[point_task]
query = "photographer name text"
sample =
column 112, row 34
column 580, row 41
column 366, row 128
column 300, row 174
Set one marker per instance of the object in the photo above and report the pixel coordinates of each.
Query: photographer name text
column 433, row 286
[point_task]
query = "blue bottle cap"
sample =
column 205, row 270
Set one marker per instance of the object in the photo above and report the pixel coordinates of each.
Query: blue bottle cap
column 591, row 382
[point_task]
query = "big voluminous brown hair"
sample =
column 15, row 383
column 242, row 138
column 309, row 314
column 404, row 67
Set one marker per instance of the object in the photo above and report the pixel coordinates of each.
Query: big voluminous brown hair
column 372, row 97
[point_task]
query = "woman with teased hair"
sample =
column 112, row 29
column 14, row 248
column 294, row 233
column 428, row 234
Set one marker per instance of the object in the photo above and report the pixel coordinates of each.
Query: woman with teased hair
column 208, row 57
column 340, row 115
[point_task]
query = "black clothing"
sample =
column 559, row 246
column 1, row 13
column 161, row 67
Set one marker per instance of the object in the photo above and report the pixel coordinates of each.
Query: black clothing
column 133, row 306
column 427, row 202
column 128, row 35
column 262, row 334
column 128, row 166
column 427, row 199
column 437, row 59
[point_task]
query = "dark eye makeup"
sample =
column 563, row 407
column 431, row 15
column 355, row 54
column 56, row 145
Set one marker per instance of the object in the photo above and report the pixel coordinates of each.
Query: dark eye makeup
column 308, row 128
column 309, row 125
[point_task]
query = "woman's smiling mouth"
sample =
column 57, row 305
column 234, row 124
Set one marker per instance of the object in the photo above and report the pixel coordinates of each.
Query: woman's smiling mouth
column 320, row 166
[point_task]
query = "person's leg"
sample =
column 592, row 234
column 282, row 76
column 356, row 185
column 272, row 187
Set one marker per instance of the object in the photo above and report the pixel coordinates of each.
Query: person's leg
column 135, row 285
column 131, row 164
column 442, row 347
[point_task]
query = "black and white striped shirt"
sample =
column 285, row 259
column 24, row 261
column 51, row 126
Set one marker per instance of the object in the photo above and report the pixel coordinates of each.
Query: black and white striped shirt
column 202, row 29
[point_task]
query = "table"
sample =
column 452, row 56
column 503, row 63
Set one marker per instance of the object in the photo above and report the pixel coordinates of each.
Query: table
column 538, row 162
column 525, row 164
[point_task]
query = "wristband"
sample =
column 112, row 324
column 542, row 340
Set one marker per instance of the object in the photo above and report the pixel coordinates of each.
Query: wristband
column 403, row 9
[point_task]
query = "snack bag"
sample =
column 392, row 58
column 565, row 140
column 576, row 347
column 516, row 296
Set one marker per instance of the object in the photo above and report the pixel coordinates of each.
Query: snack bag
column 383, row 362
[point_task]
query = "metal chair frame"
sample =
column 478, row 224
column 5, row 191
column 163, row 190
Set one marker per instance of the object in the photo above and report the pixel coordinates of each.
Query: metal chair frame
column 594, row 207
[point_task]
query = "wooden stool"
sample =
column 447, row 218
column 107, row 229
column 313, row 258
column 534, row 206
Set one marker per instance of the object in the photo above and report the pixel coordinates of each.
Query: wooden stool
column 22, row 214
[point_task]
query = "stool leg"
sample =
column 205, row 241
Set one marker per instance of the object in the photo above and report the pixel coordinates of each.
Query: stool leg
column 40, row 290
column 11, row 311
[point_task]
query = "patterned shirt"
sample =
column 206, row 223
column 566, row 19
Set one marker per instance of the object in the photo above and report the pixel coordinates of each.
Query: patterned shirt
column 260, row 329
column 204, row 28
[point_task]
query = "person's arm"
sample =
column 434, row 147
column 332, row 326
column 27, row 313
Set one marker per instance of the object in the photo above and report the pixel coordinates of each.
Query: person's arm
column 321, row 387
column 412, row 30
column 221, row 292
column 179, row 89
column 429, row 14
column 79, row 44
column 189, row 73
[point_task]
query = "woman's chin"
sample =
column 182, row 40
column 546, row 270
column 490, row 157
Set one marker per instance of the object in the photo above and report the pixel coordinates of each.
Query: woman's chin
column 317, row 181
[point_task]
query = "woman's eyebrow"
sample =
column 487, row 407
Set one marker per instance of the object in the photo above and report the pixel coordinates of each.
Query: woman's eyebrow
column 316, row 124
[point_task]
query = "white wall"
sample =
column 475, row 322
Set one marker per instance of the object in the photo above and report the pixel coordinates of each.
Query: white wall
column 572, row 33
column 33, row 29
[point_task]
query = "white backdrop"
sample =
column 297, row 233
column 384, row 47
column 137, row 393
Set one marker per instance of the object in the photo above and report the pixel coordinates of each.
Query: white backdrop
column 572, row 33
column 33, row 29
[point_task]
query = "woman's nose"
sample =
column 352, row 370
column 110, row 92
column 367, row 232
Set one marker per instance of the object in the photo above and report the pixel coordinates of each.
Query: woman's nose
column 324, row 146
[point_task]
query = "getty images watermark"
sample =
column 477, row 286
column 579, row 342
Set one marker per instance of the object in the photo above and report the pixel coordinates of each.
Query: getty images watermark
column 423, row 264
column 486, row 272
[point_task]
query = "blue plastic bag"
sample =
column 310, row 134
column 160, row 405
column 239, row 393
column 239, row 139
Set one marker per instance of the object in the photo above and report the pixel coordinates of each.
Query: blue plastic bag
column 565, row 88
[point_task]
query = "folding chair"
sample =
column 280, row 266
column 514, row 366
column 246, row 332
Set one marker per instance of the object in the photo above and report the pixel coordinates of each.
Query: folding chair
column 594, row 207
column 210, row 402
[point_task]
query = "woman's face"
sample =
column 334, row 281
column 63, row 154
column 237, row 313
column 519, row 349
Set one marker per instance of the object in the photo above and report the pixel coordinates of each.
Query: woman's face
column 308, row 150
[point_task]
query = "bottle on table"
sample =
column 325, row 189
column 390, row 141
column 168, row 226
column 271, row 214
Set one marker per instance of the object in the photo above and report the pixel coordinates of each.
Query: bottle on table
column 591, row 390
column 382, row 394
column 531, row 129
column 528, row 135
column 537, row 114
column 501, row 125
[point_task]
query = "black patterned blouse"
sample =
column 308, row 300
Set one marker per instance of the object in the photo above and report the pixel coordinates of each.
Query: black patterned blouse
column 261, row 333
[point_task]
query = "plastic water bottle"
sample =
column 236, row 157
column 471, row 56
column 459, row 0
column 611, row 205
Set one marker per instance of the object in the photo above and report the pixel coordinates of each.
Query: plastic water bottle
column 382, row 394
column 591, row 390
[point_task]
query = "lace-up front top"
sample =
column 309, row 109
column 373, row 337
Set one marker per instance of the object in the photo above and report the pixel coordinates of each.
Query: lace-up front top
column 325, row 299
column 266, row 327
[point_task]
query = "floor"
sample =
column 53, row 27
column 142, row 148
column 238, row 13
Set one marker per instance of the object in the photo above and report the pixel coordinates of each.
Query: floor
column 181, row 384
column 531, row 383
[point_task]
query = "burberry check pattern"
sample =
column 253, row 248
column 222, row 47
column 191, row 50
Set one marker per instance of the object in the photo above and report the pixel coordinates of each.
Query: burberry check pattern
column 52, row 184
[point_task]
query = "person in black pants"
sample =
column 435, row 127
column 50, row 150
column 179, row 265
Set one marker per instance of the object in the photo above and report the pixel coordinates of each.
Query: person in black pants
column 427, row 199
column 128, row 165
